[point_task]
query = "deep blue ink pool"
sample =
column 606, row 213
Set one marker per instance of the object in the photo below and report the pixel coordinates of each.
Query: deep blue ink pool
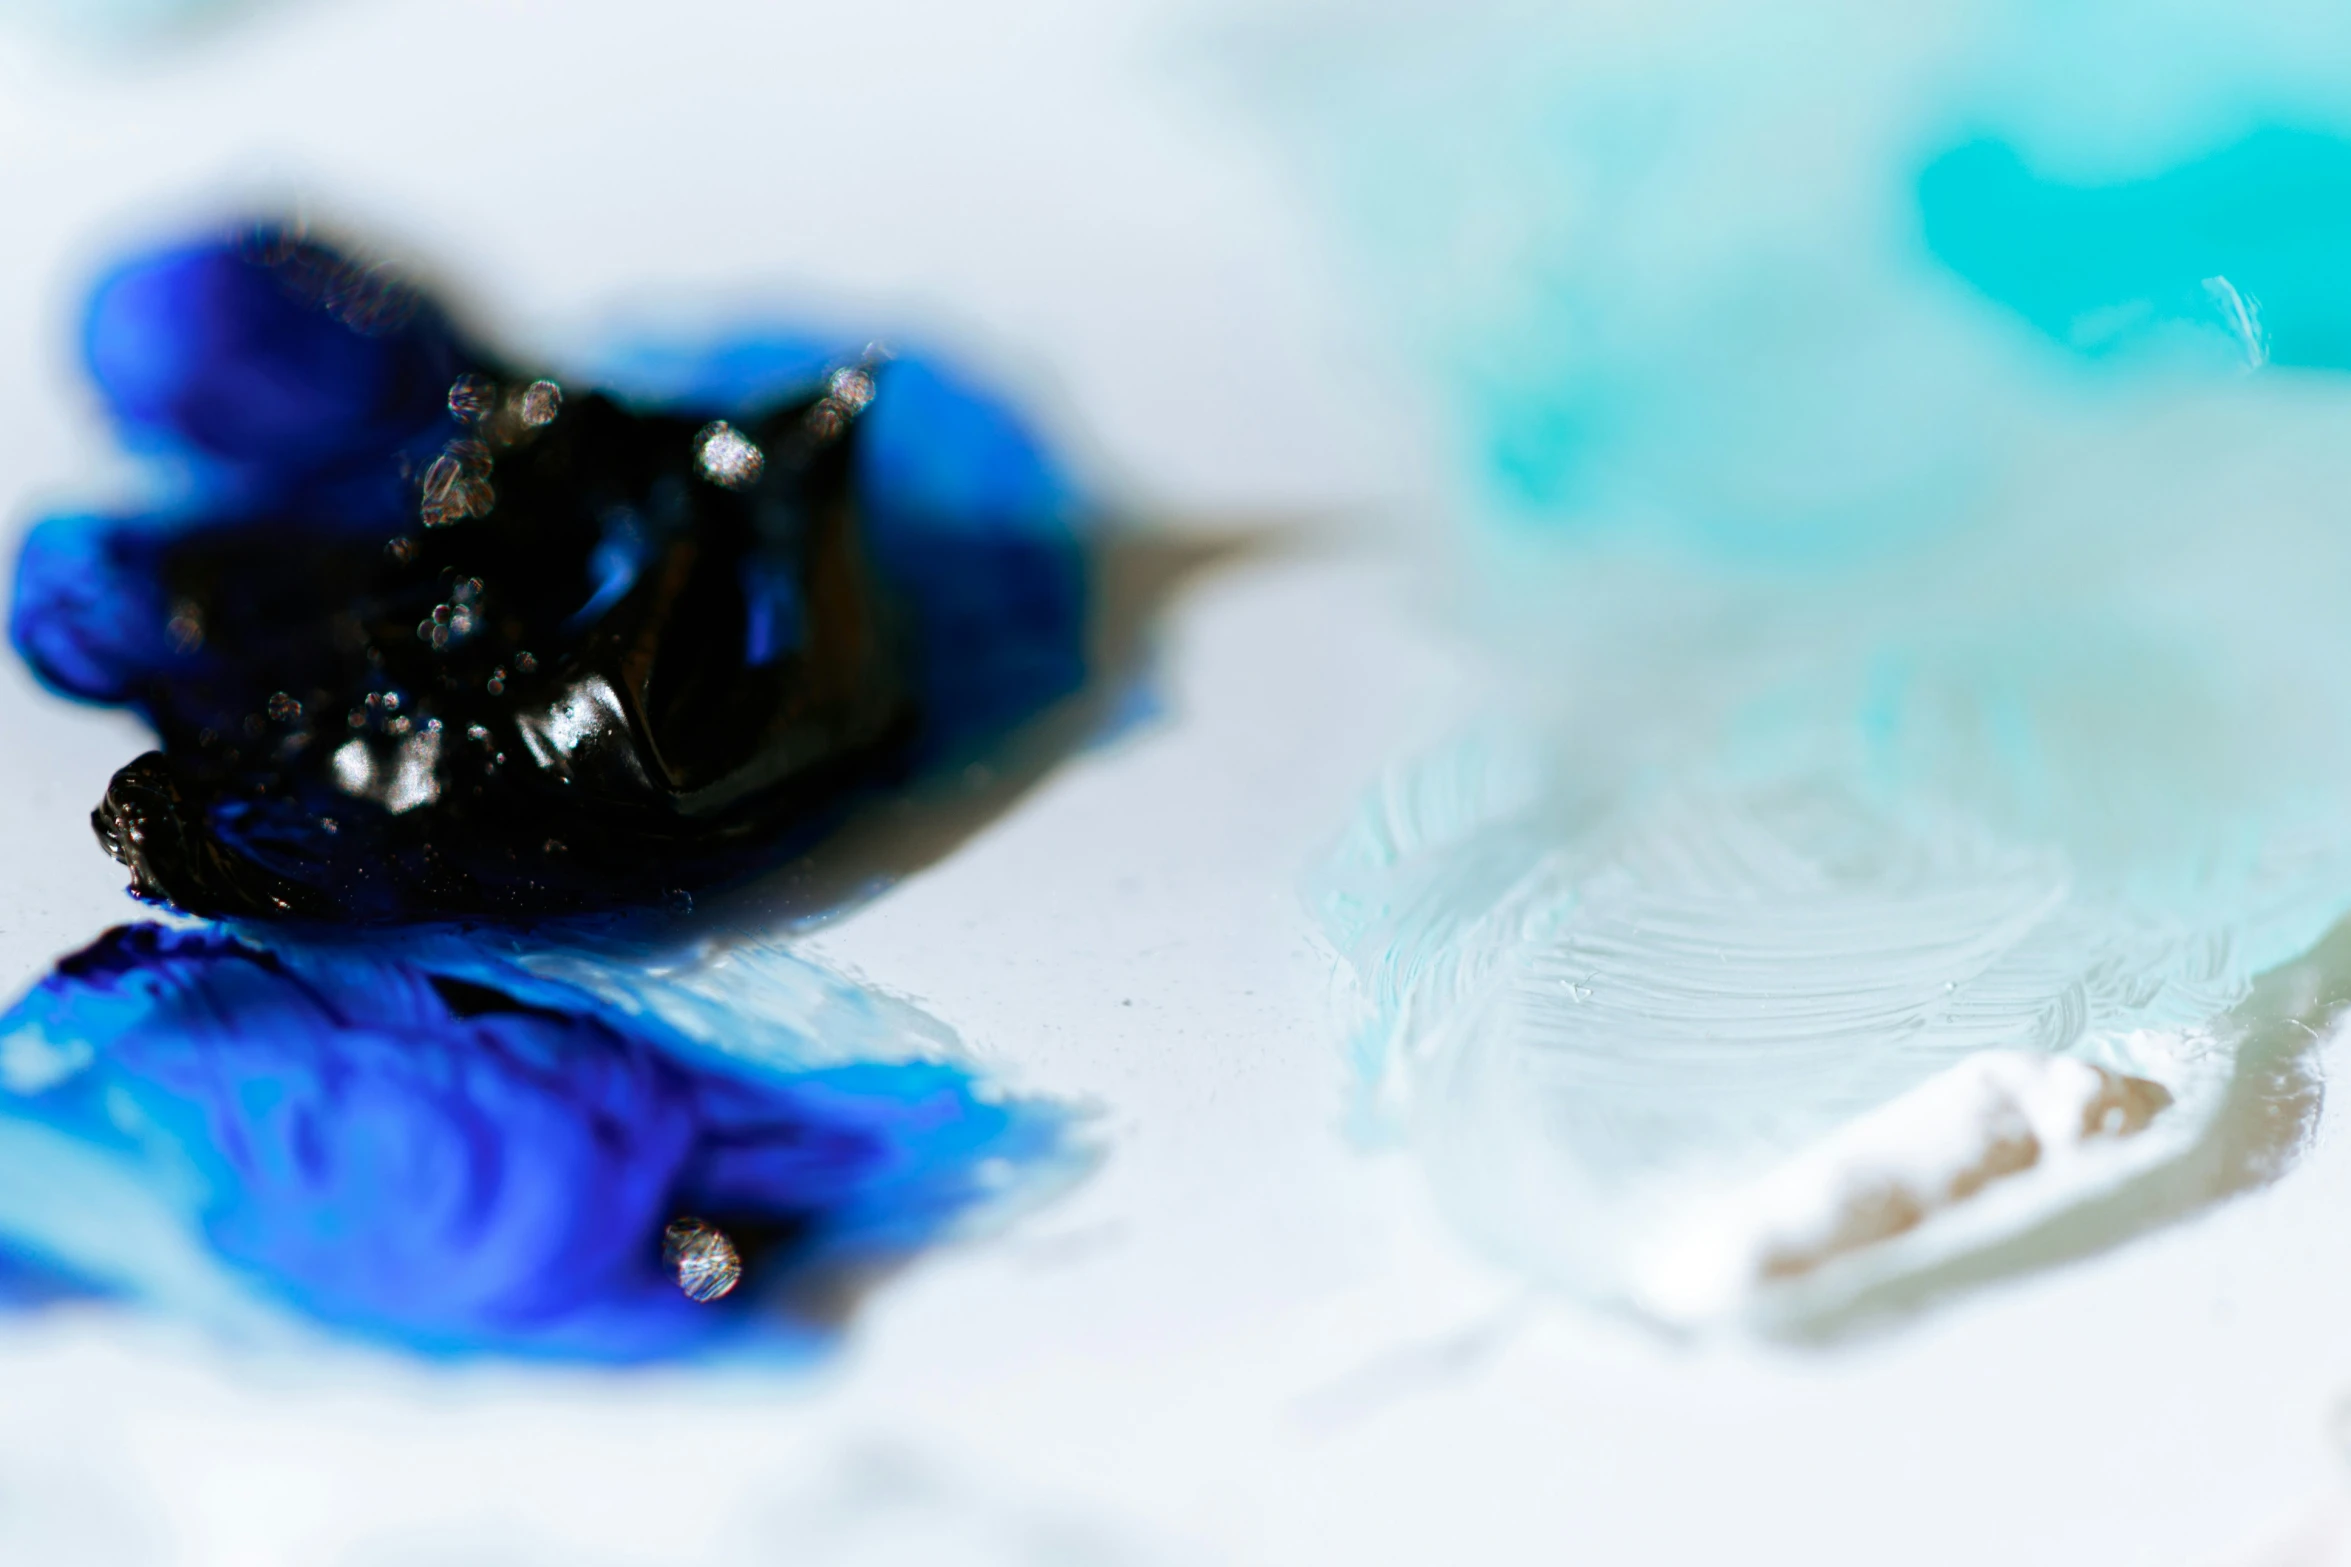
column 447, row 1153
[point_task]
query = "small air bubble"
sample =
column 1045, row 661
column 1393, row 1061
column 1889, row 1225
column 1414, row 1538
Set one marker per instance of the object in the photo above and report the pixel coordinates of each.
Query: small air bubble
column 852, row 388
column 470, row 397
column 826, row 420
column 457, row 485
column 726, row 456
column 704, row 1260
column 540, row 402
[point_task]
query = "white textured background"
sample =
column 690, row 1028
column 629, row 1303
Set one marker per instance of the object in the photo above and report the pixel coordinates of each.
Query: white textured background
column 1242, row 1341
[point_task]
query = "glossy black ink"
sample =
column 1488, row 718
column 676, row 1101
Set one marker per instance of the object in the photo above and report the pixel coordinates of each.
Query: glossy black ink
column 526, row 650
column 599, row 677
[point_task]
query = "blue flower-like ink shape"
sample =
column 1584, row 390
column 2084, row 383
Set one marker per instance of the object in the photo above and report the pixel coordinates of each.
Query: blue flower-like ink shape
column 425, row 635
column 271, row 356
column 455, row 1156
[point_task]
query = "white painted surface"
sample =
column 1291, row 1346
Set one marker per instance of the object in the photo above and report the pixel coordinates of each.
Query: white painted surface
column 1244, row 1340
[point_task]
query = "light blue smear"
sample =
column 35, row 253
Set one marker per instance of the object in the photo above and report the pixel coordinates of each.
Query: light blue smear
column 1915, row 577
column 123, row 23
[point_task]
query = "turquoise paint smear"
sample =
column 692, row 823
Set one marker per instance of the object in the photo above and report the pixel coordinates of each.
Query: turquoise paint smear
column 1915, row 560
column 2099, row 266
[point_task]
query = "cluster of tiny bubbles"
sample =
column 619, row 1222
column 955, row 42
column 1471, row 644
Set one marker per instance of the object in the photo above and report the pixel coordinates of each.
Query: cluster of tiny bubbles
column 284, row 709
column 727, row 457
column 480, row 735
column 524, row 663
column 381, row 708
column 456, row 485
column 454, row 619
column 702, row 1257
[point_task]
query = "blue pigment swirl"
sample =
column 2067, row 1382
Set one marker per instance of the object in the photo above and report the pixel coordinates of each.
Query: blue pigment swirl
column 452, row 1155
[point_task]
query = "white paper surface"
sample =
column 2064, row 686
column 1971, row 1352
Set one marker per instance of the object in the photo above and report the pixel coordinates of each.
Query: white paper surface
column 1244, row 1339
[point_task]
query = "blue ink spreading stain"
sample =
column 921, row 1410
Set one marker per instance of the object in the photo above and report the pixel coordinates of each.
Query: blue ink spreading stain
column 452, row 1155
column 2253, row 240
column 423, row 636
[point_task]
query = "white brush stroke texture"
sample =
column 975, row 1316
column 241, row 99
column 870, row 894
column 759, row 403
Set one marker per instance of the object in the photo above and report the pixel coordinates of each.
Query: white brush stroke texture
column 1893, row 686
column 1753, row 851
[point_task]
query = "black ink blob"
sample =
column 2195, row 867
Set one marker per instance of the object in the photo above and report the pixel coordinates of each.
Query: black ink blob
column 429, row 637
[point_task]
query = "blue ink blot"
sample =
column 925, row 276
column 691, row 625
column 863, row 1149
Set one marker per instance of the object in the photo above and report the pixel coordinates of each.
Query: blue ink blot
column 423, row 635
column 272, row 356
column 447, row 1153
column 2252, row 240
